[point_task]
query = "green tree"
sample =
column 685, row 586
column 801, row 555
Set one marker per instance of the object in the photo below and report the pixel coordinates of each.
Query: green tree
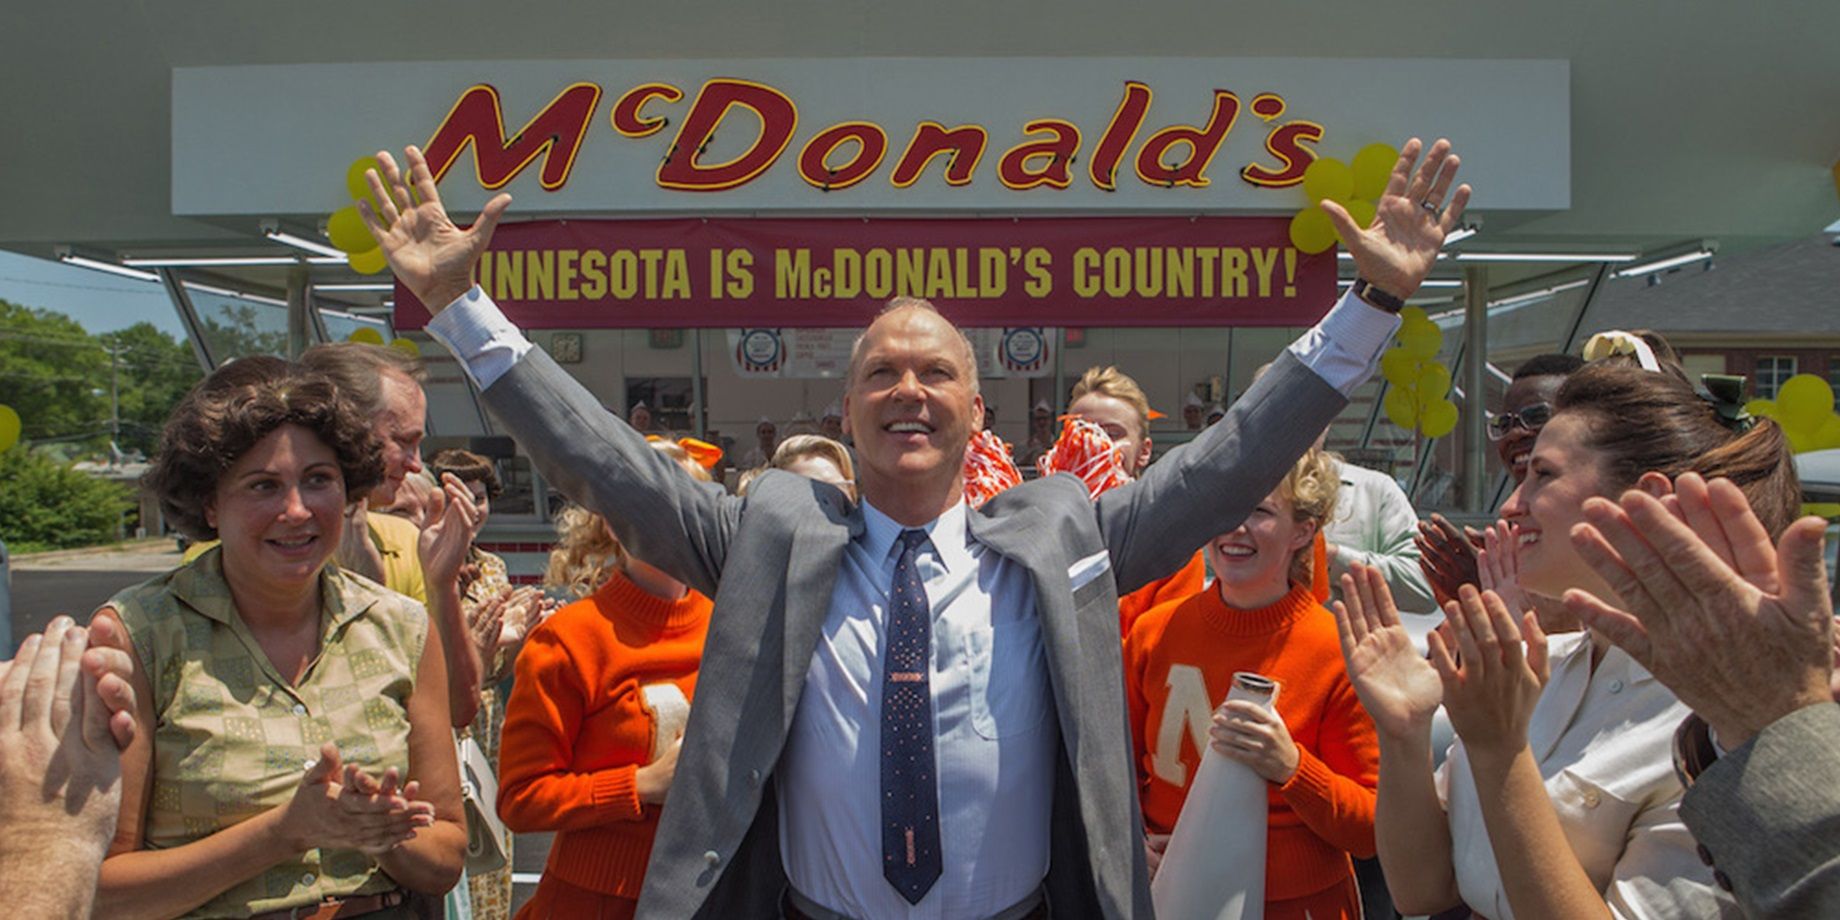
column 45, row 505
column 51, row 369
column 152, row 371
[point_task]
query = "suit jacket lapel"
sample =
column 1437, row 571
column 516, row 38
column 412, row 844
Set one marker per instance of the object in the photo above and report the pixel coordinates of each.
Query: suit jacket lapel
column 811, row 578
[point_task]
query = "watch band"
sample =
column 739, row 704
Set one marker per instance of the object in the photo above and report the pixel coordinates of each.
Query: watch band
column 1366, row 290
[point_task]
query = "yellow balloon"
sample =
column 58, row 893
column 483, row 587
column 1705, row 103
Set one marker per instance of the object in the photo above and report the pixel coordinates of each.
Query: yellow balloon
column 1362, row 211
column 406, row 346
column 1399, row 368
column 9, row 428
column 367, row 335
column 1413, row 316
column 1765, row 408
column 1373, row 166
column 1827, row 437
column 1804, row 402
column 1421, row 340
column 1401, row 407
column 355, row 183
column 346, row 230
column 1434, row 381
column 1438, row 419
column 368, row 262
column 1328, row 178
column 1311, row 231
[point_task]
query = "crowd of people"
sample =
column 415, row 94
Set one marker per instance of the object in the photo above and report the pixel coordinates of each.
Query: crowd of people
column 920, row 705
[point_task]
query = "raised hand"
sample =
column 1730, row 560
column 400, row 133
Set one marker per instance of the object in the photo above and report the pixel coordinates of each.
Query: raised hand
column 428, row 253
column 485, row 622
column 1741, row 631
column 356, row 553
column 1394, row 683
column 1490, row 688
column 454, row 522
column 1410, row 223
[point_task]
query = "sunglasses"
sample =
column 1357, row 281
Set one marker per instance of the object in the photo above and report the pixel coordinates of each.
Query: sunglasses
column 1532, row 418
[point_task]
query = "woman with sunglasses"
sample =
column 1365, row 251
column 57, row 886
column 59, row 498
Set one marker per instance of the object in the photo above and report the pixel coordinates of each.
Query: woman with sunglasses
column 1559, row 798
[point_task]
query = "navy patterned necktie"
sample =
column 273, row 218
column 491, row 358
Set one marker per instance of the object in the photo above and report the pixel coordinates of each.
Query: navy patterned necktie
column 910, row 795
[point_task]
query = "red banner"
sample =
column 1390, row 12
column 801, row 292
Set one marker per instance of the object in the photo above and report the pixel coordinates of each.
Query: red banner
column 1081, row 271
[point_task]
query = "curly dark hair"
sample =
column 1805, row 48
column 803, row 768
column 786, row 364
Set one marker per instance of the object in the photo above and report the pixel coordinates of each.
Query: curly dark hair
column 238, row 405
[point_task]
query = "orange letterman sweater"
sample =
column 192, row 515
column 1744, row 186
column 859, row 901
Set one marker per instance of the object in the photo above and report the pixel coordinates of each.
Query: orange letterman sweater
column 577, row 728
column 1326, row 810
column 1187, row 580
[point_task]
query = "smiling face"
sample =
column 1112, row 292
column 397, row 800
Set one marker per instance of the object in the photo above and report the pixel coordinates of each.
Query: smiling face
column 399, row 426
column 279, row 508
column 1562, row 472
column 1120, row 422
column 1253, row 561
column 912, row 404
column 1518, row 445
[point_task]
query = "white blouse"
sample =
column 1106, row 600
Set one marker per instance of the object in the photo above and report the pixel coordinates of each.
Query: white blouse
column 1603, row 741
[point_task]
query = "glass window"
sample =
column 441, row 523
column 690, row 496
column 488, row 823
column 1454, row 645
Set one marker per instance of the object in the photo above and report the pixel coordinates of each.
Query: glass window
column 1772, row 372
column 236, row 326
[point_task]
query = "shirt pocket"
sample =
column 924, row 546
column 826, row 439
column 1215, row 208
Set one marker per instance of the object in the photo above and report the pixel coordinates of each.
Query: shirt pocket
column 1596, row 821
column 1009, row 678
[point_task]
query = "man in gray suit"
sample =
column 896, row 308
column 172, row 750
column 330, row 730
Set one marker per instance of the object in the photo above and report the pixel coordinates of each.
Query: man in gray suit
column 871, row 734
column 1742, row 632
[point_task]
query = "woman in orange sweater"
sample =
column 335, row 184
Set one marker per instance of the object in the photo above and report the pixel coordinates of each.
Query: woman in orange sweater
column 1318, row 752
column 593, row 728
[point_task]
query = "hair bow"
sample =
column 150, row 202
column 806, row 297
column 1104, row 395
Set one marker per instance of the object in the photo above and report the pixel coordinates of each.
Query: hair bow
column 1726, row 394
column 1618, row 342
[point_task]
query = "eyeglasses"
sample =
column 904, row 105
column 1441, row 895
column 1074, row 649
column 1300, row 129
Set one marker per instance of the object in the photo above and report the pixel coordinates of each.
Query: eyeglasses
column 1532, row 418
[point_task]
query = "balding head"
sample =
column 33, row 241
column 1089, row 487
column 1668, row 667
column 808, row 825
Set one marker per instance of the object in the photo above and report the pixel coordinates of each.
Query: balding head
column 911, row 404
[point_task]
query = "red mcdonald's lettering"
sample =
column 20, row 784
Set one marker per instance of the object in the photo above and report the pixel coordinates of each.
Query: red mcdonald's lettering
column 814, row 160
column 778, row 119
column 1286, row 143
column 966, row 143
column 1013, row 170
column 1118, row 135
column 1203, row 143
column 477, row 118
column 629, row 113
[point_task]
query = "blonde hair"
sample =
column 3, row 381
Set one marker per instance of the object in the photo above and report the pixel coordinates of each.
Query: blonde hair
column 1311, row 487
column 801, row 446
column 1110, row 381
column 586, row 549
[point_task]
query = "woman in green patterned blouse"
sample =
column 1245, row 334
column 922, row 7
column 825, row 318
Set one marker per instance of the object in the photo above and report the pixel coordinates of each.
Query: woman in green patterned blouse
column 294, row 746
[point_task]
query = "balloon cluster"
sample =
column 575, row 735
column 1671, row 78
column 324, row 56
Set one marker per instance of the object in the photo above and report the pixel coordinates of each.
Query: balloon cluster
column 1804, row 407
column 9, row 427
column 370, row 336
column 1418, row 398
column 346, row 226
column 1355, row 188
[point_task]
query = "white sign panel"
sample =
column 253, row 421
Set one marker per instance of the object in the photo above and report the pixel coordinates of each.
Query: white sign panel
column 1018, row 352
column 908, row 135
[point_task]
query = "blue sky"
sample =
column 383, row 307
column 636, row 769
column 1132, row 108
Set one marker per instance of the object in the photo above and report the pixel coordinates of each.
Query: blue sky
column 100, row 301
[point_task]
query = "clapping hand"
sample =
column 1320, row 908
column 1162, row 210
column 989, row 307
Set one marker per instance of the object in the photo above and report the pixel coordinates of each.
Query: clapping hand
column 1498, row 568
column 1447, row 556
column 453, row 523
column 1394, row 683
column 1740, row 630
column 340, row 806
column 1411, row 220
column 1493, row 677
column 428, row 253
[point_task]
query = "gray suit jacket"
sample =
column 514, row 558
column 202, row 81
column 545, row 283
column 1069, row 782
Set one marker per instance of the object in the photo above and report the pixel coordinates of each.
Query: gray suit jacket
column 1768, row 814
column 771, row 561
